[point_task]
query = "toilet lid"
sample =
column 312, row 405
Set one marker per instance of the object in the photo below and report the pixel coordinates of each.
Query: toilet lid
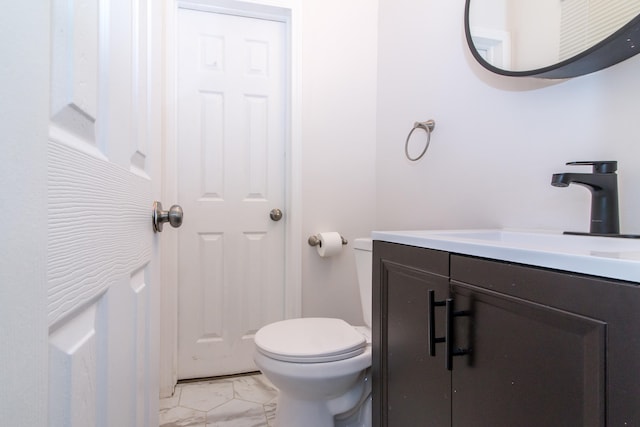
column 310, row 340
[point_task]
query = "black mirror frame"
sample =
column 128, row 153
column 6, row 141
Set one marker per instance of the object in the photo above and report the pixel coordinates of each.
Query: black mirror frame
column 621, row 45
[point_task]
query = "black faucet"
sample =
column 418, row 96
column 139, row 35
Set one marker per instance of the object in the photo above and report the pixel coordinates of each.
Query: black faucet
column 603, row 184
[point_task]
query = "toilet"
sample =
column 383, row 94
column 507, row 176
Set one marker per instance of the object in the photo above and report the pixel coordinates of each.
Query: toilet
column 322, row 365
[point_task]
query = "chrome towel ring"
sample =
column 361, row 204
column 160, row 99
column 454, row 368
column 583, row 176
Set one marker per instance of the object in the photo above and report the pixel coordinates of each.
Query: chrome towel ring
column 428, row 127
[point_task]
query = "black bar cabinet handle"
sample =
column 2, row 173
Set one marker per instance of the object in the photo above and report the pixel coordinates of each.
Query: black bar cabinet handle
column 432, row 322
column 449, row 334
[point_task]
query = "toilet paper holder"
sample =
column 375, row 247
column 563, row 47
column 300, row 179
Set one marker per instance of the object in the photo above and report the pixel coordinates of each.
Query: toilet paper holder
column 315, row 241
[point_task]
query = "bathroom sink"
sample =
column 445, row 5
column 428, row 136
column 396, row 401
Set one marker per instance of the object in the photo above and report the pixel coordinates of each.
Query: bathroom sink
column 616, row 258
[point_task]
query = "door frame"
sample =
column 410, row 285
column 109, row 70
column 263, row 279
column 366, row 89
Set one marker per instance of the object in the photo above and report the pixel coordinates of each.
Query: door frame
column 288, row 12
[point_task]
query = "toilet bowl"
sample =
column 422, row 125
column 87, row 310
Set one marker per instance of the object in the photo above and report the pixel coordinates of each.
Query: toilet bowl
column 321, row 366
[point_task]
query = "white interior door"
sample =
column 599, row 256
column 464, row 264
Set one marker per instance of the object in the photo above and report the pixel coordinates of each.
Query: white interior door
column 231, row 169
column 102, row 280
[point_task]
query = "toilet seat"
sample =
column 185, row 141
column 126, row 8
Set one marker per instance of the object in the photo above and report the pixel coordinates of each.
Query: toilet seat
column 310, row 340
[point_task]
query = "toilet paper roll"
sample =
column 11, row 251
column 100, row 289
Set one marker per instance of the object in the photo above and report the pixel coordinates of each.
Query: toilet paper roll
column 330, row 244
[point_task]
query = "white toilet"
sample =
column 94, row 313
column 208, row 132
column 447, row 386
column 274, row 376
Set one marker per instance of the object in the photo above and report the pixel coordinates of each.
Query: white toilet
column 321, row 365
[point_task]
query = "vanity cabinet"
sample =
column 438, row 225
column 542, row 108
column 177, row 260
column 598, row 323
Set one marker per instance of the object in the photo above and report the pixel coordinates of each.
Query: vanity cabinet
column 537, row 347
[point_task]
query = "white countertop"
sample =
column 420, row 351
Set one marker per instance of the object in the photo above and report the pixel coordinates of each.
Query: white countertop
column 616, row 258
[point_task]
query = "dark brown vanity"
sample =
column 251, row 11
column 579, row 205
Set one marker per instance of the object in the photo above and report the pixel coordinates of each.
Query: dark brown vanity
column 529, row 346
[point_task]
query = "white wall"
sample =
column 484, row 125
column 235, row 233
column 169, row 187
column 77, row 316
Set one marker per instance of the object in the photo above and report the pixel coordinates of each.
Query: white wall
column 339, row 42
column 497, row 140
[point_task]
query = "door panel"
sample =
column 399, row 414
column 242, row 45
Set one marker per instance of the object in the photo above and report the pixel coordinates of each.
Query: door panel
column 100, row 241
column 73, row 366
column 412, row 402
column 525, row 357
column 231, row 142
column 410, row 388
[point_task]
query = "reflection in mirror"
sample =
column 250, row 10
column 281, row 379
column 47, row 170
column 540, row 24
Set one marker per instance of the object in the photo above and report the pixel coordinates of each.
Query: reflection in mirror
column 520, row 36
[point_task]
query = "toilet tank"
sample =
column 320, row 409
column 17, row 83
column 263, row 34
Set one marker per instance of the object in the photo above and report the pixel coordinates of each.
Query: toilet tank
column 363, row 249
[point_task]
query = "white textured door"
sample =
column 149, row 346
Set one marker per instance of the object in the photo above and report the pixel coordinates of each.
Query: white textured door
column 102, row 279
column 231, row 169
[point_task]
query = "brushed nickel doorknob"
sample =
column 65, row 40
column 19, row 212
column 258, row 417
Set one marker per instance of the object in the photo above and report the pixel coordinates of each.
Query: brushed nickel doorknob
column 275, row 214
column 173, row 216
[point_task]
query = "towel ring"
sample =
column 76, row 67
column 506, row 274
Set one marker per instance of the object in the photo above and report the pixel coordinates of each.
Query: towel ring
column 428, row 127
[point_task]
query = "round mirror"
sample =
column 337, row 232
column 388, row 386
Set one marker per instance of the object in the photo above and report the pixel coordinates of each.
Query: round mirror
column 552, row 38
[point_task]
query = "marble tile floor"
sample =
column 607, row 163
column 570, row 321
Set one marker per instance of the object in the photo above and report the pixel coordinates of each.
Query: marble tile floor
column 237, row 401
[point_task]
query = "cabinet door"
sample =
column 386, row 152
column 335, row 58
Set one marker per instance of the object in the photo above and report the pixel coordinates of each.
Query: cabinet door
column 410, row 388
column 531, row 364
column 614, row 302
